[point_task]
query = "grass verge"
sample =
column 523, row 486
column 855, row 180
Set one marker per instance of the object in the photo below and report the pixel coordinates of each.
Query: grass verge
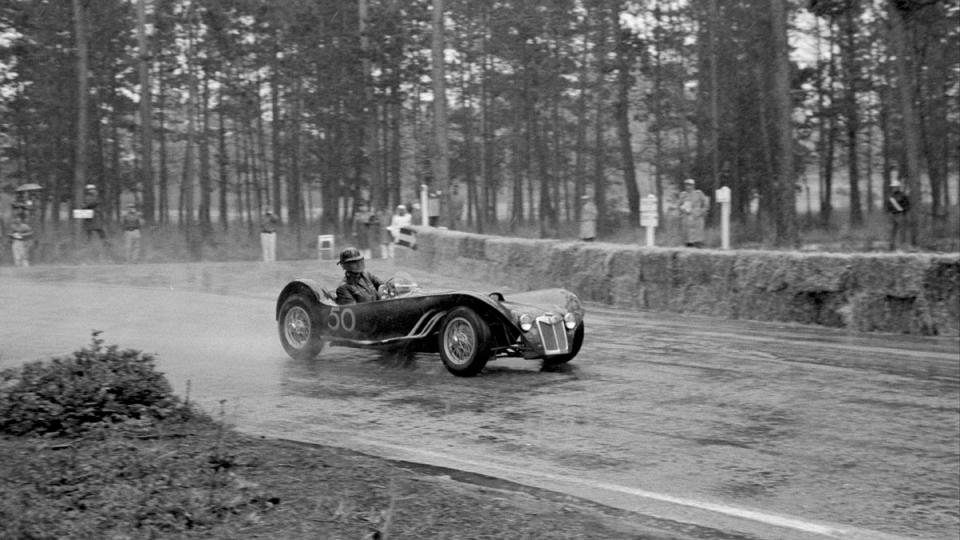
column 199, row 479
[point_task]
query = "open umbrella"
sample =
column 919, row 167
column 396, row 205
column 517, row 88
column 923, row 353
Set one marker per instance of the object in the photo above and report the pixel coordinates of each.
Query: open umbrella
column 29, row 187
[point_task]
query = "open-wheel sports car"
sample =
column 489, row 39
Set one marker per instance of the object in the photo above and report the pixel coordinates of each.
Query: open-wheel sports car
column 467, row 328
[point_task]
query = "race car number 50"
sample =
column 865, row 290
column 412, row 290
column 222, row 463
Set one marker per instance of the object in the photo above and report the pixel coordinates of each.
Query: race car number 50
column 342, row 319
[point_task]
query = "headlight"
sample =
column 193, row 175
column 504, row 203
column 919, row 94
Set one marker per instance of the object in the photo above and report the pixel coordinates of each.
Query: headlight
column 526, row 322
column 570, row 321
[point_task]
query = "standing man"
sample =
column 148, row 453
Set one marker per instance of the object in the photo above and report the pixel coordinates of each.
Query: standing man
column 374, row 232
column 897, row 205
column 382, row 234
column 588, row 219
column 20, row 235
column 693, row 211
column 456, row 208
column 268, row 236
column 94, row 225
column 132, row 221
column 361, row 226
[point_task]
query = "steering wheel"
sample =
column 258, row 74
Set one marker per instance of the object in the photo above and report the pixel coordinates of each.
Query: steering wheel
column 388, row 289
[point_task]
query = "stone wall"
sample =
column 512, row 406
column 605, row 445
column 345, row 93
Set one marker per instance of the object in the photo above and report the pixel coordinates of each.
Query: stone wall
column 908, row 293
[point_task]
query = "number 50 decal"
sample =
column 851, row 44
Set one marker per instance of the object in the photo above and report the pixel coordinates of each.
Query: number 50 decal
column 342, row 319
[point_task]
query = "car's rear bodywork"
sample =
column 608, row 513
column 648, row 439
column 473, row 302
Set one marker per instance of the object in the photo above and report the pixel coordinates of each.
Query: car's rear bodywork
column 545, row 324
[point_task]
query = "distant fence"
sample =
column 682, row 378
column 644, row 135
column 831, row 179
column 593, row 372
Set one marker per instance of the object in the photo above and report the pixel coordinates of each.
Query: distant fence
column 904, row 293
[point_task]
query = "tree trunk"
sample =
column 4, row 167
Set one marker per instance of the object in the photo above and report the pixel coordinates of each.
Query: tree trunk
column 786, row 193
column 599, row 150
column 441, row 157
column 936, row 129
column 827, row 135
column 275, row 140
column 905, row 82
column 469, row 143
column 148, row 201
column 83, row 124
column 294, row 183
column 658, row 112
column 189, row 168
column 624, row 59
column 222, row 161
column 206, row 189
column 714, row 98
column 851, row 113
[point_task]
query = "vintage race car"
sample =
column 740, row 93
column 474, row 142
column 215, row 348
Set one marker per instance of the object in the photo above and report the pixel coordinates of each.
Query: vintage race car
column 466, row 328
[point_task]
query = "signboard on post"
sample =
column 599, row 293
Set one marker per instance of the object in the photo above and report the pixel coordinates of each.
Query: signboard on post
column 723, row 199
column 723, row 195
column 648, row 211
column 648, row 216
column 82, row 213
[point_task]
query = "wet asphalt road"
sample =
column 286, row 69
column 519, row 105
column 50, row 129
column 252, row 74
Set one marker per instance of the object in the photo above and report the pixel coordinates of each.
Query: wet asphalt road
column 749, row 429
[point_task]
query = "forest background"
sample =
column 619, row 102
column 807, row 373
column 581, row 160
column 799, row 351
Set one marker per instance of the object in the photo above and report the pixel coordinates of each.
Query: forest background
column 208, row 112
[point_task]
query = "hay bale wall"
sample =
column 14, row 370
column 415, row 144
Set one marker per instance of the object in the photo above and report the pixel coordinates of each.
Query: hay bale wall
column 915, row 294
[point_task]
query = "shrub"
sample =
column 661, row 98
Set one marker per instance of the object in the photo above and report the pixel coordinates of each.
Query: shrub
column 97, row 385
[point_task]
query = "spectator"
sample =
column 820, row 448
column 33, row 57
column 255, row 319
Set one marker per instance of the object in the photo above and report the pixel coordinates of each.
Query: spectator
column 416, row 214
column 20, row 236
column 132, row 221
column 268, row 236
column 456, row 207
column 358, row 285
column 382, row 234
column 692, row 204
column 374, row 232
column 588, row 219
column 399, row 220
column 93, row 225
column 361, row 226
column 897, row 205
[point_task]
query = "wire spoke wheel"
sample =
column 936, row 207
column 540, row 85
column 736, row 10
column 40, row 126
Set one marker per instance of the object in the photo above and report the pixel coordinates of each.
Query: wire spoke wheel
column 464, row 342
column 460, row 341
column 297, row 329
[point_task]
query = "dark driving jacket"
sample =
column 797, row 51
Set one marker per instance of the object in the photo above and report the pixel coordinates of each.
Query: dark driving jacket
column 362, row 288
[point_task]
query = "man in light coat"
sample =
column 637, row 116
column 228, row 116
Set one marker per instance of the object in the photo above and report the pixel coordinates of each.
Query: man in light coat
column 692, row 204
column 588, row 219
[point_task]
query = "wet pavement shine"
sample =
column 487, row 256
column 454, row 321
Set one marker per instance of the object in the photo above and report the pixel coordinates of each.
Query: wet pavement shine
column 754, row 430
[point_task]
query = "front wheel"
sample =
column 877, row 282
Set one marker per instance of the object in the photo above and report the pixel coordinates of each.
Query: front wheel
column 298, row 329
column 574, row 349
column 464, row 342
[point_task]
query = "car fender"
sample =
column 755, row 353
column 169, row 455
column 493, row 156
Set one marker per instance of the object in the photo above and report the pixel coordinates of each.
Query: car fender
column 307, row 287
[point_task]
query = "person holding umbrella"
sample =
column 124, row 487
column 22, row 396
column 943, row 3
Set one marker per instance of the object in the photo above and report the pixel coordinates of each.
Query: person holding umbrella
column 20, row 236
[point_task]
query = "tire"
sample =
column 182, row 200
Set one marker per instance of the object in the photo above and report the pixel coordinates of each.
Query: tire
column 574, row 349
column 298, row 328
column 464, row 342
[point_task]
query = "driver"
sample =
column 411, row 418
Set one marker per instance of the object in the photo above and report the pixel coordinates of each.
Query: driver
column 358, row 285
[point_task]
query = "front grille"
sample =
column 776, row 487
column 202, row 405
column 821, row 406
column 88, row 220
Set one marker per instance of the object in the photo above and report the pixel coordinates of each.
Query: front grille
column 552, row 335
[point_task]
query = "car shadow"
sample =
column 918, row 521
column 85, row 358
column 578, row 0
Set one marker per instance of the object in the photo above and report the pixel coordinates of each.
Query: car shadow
column 558, row 368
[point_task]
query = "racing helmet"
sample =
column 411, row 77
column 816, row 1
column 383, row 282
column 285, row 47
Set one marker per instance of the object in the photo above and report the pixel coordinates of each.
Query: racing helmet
column 350, row 255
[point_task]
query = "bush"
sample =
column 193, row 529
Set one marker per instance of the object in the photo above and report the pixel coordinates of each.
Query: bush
column 97, row 385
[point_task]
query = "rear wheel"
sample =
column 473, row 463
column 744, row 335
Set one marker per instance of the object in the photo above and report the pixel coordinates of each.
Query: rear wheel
column 298, row 329
column 464, row 342
column 574, row 349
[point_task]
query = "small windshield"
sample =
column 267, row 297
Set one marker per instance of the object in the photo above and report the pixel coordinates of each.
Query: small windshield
column 398, row 285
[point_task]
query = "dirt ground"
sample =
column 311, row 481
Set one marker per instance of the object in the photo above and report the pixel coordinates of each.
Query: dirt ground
column 275, row 489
